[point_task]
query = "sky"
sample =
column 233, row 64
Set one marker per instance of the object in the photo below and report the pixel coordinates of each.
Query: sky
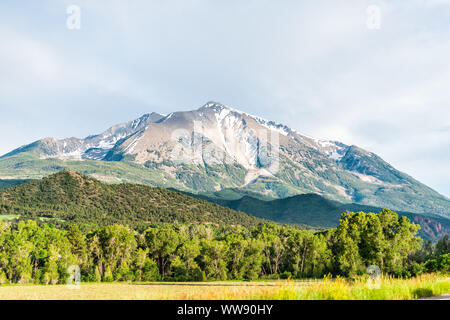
column 324, row 68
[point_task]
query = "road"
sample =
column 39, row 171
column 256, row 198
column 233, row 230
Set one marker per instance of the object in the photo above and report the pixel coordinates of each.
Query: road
column 443, row 297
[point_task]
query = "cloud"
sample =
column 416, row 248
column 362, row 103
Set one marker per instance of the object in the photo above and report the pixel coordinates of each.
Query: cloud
column 312, row 65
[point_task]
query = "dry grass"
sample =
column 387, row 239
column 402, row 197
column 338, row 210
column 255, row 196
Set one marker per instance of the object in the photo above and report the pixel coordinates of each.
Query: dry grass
column 147, row 291
column 342, row 289
column 386, row 289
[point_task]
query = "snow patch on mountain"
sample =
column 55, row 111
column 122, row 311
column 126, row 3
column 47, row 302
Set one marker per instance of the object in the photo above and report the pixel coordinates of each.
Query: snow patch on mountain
column 167, row 117
column 334, row 150
column 130, row 148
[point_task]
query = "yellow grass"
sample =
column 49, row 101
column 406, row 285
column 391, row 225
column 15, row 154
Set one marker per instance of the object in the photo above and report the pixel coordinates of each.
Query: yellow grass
column 148, row 291
column 388, row 288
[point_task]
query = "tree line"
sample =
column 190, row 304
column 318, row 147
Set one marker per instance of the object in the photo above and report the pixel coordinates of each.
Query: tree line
column 34, row 252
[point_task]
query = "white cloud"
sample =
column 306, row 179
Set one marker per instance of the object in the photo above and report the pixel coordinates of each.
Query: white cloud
column 312, row 65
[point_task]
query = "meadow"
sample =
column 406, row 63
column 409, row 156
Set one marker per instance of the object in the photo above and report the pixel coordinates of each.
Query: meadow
column 8, row 217
column 326, row 289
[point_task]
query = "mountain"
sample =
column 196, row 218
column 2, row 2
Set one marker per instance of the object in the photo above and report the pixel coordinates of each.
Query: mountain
column 68, row 197
column 93, row 147
column 312, row 210
column 217, row 147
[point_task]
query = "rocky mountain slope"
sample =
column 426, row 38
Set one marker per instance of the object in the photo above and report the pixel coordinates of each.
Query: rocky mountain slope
column 217, row 147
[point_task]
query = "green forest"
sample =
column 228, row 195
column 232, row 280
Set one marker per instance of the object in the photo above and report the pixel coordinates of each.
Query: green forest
column 67, row 198
column 34, row 252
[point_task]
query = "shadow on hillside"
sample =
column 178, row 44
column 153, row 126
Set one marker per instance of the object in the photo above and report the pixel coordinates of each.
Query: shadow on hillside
column 423, row 292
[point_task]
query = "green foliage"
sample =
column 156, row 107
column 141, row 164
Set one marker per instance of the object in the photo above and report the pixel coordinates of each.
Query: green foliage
column 315, row 211
column 42, row 253
column 3, row 278
column 441, row 263
column 68, row 198
column 380, row 239
column 184, row 264
column 5, row 184
column 213, row 259
column 430, row 257
column 162, row 243
column 443, row 245
column 34, row 254
column 108, row 277
column 97, row 276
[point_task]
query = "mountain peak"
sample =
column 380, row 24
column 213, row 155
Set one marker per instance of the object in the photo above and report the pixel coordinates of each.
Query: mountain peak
column 69, row 177
column 211, row 104
column 233, row 150
column 216, row 106
column 71, row 174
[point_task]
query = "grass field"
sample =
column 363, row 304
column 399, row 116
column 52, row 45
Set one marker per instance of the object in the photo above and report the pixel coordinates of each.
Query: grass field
column 148, row 291
column 341, row 289
column 7, row 217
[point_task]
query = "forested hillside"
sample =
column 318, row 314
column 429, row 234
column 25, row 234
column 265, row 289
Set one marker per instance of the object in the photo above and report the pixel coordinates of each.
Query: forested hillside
column 135, row 232
column 315, row 211
column 69, row 197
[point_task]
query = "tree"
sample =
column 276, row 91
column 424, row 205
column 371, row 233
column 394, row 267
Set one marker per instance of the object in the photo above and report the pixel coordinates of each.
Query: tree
column 253, row 258
column 78, row 247
column 3, row 278
column 41, row 253
column 213, row 259
column 320, row 257
column 51, row 275
column 162, row 243
column 184, row 264
column 97, row 275
column 443, row 245
column 402, row 243
column 108, row 276
column 274, row 237
column 372, row 243
column 345, row 246
column 117, row 244
column 383, row 239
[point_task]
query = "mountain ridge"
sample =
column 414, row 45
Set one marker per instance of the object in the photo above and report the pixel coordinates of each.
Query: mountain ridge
column 224, row 148
column 59, row 197
column 315, row 211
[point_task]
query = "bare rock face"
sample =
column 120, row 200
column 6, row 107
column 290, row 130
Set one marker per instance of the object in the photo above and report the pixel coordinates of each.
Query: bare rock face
column 433, row 228
column 217, row 147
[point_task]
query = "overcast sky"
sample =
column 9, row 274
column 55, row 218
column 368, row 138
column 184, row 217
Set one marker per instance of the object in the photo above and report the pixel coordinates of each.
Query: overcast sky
column 313, row 65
